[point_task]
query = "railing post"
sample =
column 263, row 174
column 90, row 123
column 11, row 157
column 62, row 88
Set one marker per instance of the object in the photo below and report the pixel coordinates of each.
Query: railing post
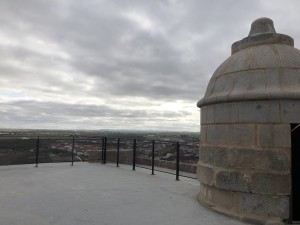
column 133, row 156
column 177, row 161
column 102, row 152
column 37, row 152
column 105, row 144
column 118, row 152
column 152, row 159
column 73, row 144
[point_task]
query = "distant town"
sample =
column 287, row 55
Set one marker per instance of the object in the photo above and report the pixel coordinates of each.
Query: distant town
column 19, row 146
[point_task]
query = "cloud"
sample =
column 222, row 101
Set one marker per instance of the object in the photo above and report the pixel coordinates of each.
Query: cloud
column 64, row 115
column 119, row 62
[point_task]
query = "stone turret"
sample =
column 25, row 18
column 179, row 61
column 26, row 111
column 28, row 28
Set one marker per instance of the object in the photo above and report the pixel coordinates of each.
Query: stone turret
column 251, row 103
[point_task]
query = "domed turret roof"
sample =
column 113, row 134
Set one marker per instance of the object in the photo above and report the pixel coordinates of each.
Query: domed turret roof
column 263, row 66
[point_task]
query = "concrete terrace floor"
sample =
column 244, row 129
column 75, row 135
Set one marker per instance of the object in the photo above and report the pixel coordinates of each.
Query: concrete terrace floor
column 95, row 194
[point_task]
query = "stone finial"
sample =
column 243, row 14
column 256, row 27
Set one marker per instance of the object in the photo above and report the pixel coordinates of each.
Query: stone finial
column 262, row 33
column 262, row 26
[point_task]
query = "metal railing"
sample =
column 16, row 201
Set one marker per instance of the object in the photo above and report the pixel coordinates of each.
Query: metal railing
column 148, row 154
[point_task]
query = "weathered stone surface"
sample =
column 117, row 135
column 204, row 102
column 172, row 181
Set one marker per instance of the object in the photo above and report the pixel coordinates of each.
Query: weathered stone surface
column 221, row 69
column 216, row 134
column 203, row 131
column 290, row 111
column 289, row 57
column 234, row 112
column 289, row 81
column 252, row 98
column 258, row 39
column 259, row 112
column 238, row 62
column 223, row 86
column 210, row 87
column 267, row 183
column 216, row 197
column 210, row 114
column 250, row 83
column 222, row 113
column 262, row 26
column 282, row 82
column 274, row 135
column 205, row 174
column 275, row 222
column 262, row 183
column 241, row 134
column 226, row 113
column 265, row 56
column 203, row 115
column 264, row 205
column 252, row 208
column 245, row 158
column 275, row 60
column 233, row 180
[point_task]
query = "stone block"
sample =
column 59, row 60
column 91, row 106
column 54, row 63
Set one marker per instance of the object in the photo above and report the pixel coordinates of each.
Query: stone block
column 217, row 198
column 274, row 136
column 273, row 82
column 250, row 83
column 223, row 113
column 289, row 81
column 245, row 158
column 223, row 86
column 239, row 61
column 241, row 134
column 234, row 112
column 210, row 114
column 264, row 57
column 259, row 112
column 264, row 205
column 290, row 111
column 233, row 180
column 268, row 183
column 282, row 83
column 210, row 88
column 213, row 155
column 216, row 134
column 220, row 70
column 203, row 114
column 205, row 174
column 203, row 131
column 289, row 59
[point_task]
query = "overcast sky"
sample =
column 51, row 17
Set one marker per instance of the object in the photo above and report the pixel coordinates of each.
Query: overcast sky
column 120, row 64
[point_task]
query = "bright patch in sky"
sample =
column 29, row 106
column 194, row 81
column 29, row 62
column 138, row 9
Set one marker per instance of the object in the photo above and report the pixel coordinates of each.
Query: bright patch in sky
column 141, row 20
column 13, row 94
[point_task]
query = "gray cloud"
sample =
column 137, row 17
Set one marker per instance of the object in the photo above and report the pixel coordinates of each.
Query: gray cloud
column 119, row 59
column 32, row 112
